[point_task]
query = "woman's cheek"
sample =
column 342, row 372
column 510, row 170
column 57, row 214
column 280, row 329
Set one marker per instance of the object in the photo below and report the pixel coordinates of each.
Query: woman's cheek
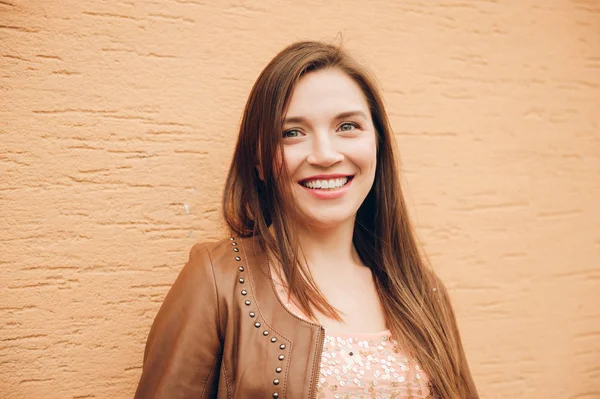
column 293, row 158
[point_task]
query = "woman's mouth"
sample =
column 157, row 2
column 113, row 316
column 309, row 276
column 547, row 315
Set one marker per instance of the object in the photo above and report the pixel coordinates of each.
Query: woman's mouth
column 326, row 184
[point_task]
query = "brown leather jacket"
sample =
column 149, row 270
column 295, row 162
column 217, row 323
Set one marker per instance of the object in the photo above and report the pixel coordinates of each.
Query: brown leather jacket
column 222, row 332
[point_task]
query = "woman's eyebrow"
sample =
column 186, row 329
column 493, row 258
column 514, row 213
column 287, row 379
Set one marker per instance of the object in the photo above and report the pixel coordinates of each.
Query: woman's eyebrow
column 294, row 119
column 350, row 114
column 343, row 115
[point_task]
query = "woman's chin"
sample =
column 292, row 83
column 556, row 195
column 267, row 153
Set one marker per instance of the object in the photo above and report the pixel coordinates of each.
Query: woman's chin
column 326, row 220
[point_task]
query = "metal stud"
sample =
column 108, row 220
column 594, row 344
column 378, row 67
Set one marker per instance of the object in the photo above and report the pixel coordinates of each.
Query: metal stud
column 234, row 243
column 275, row 381
column 280, row 357
column 265, row 333
column 257, row 324
column 244, row 292
column 241, row 268
column 241, row 280
column 252, row 314
column 275, row 395
column 247, row 302
column 238, row 258
column 273, row 339
column 236, row 250
column 231, row 238
column 282, row 346
column 278, row 370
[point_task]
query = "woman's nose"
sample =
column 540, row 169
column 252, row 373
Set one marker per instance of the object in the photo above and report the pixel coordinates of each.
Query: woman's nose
column 324, row 153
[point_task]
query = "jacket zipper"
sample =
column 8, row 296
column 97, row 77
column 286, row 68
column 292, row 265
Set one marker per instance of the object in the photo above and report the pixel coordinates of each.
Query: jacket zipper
column 317, row 369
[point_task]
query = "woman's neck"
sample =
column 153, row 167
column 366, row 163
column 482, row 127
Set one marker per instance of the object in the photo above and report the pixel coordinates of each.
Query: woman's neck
column 329, row 250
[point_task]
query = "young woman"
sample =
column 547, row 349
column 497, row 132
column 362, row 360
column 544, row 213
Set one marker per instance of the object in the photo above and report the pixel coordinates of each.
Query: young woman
column 321, row 291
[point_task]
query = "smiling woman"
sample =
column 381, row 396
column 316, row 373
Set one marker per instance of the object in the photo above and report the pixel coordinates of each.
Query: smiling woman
column 321, row 290
column 333, row 139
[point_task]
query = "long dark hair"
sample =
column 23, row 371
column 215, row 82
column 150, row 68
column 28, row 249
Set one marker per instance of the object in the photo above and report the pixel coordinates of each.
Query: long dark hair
column 416, row 305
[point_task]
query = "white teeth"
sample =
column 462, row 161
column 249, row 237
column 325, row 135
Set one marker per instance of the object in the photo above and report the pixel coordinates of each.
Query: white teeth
column 326, row 184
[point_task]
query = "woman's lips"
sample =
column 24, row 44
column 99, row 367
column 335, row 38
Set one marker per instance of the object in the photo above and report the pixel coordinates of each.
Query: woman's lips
column 329, row 193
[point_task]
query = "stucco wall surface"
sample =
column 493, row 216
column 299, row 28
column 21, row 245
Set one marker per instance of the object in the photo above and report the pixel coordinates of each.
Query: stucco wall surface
column 117, row 124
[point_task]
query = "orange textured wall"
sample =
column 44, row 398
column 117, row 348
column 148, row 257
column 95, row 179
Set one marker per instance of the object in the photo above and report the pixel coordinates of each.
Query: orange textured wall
column 118, row 120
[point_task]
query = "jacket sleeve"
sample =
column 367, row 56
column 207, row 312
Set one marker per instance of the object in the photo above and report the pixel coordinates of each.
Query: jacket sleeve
column 183, row 351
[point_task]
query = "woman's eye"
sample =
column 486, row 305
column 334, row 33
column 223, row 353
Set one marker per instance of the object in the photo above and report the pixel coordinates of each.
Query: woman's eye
column 348, row 126
column 291, row 133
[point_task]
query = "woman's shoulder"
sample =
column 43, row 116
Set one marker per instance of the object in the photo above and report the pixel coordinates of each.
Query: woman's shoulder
column 204, row 276
column 224, row 257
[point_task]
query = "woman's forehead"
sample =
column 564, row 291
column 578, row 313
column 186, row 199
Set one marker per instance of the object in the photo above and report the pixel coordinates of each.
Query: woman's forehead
column 326, row 93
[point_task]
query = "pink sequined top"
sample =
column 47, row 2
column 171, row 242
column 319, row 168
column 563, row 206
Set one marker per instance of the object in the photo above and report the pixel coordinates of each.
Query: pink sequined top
column 364, row 365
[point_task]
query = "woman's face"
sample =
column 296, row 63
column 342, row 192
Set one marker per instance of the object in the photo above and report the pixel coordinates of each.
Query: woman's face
column 329, row 148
